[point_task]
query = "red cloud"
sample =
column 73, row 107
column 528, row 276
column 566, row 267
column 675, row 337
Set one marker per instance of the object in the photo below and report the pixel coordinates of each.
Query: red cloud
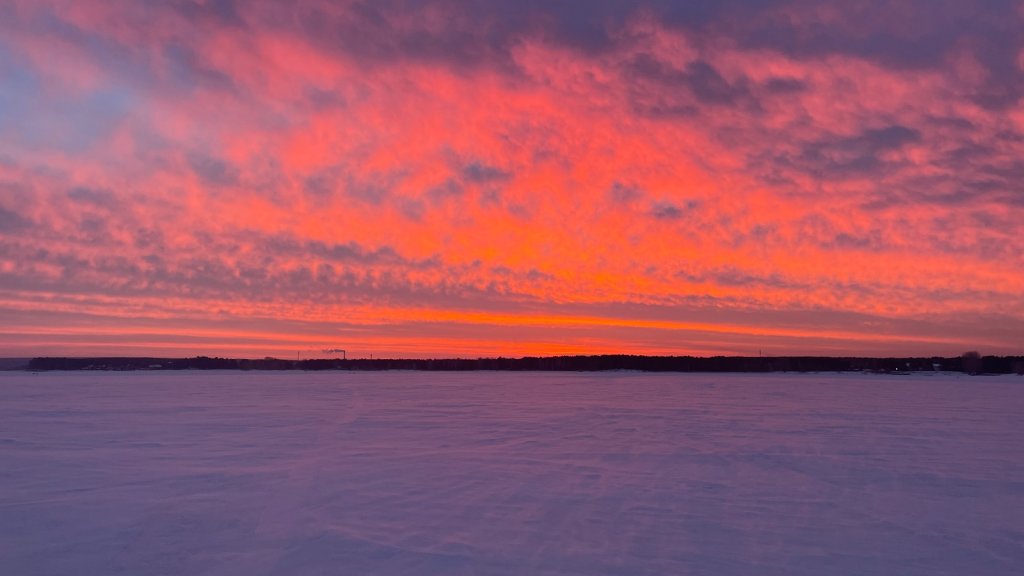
column 477, row 198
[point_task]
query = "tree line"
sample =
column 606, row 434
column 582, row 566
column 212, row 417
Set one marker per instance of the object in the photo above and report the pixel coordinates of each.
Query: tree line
column 970, row 363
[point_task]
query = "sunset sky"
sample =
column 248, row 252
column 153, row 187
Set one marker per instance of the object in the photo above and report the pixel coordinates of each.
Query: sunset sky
column 530, row 177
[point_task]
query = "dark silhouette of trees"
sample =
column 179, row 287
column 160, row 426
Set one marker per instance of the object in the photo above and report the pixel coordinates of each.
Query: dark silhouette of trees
column 971, row 362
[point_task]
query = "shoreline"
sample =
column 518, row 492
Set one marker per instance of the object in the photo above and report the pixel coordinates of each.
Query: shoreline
column 595, row 363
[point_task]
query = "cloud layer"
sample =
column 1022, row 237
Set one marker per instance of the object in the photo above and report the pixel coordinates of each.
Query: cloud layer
column 484, row 178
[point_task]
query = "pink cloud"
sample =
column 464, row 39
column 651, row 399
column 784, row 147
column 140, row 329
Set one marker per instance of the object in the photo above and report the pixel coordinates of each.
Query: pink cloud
column 450, row 186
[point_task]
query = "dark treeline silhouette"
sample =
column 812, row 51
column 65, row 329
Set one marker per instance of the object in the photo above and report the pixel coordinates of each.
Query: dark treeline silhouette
column 967, row 363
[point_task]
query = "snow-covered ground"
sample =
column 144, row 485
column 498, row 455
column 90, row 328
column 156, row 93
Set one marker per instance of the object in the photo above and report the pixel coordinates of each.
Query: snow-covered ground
column 510, row 473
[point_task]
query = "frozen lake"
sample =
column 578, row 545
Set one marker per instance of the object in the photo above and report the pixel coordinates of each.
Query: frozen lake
column 406, row 473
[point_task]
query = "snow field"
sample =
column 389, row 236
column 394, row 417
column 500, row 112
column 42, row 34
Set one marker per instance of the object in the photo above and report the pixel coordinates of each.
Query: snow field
column 403, row 473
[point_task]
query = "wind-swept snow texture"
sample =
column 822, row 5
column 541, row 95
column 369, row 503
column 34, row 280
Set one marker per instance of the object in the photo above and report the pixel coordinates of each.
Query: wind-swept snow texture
column 510, row 473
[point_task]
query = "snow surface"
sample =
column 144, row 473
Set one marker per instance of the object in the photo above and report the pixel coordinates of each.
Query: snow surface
column 510, row 473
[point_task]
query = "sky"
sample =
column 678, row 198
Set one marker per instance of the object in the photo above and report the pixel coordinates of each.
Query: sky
column 448, row 178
